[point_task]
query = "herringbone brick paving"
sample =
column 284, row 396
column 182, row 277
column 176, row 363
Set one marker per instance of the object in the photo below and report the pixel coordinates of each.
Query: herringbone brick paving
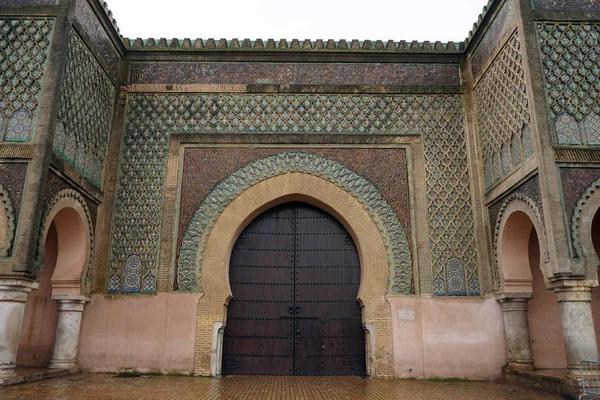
column 107, row 387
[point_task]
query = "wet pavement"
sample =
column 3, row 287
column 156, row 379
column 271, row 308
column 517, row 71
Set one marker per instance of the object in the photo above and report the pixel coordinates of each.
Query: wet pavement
column 108, row 387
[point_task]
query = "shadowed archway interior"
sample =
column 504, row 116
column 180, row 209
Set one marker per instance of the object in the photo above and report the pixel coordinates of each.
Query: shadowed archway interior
column 295, row 276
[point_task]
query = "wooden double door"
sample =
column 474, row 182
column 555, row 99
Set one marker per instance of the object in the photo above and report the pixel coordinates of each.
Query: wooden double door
column 295, row 275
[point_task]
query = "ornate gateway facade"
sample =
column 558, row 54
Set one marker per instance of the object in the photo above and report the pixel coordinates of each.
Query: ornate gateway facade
column 217, row 207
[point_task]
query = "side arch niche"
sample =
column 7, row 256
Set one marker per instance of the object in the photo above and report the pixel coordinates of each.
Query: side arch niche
column 517, row 217
column 522, row 271
column 52, row 317
column 326, row 184
column 585, row 233
column 70, row 215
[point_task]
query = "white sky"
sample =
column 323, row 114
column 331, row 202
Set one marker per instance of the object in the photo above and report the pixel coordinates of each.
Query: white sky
column 409, row 20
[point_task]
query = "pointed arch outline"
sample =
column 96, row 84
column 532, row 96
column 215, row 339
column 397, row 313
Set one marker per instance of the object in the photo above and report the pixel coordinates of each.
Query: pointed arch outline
column 189, row 265
column 64, row 199
column 519, row 202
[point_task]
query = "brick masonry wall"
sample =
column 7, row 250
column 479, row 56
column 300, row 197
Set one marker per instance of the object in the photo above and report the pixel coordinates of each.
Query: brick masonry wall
column 296, row 74
column 503, row 21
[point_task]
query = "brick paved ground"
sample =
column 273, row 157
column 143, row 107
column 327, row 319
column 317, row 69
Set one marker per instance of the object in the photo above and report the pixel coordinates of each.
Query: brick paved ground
column 106, row 387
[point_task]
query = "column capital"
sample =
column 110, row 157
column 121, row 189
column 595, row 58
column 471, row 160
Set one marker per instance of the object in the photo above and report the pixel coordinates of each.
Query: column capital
column 68, row 302
column 15, row 289
column 513, row 301
column 570, row 289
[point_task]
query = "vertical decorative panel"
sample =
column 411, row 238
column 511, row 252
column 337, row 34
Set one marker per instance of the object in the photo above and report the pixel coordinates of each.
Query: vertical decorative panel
column 24, row 47
column 570, row 58
column 503, row 112
column 85, row 113
column 451, row 228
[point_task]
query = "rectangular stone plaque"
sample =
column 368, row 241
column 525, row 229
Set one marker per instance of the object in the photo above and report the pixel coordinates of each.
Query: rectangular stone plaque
column 406, row 314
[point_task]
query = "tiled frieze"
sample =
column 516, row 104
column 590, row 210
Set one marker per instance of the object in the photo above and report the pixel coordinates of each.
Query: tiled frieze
column 570, row 58
column 296, row 74
column 503, row 114
column 455, row 269
column 85, row 113
column 153, row 117
column 566, row 5
column 24, row 48
column 284, row 113
column 95, row 36
column 12, row 184
column 189, row 267
column 502, row 22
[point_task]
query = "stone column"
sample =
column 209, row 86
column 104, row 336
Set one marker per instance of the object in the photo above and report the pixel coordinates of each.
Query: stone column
column 516, row 326
column 68, row 326
column 574, row 298
column 13, row 295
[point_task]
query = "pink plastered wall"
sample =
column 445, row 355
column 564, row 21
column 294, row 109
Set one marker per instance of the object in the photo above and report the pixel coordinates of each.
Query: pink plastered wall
column 543, row 312
column 38, row 330
column 148, row 333
column 448, row 338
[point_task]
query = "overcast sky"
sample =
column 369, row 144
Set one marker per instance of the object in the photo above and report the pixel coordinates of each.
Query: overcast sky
column 409, row 20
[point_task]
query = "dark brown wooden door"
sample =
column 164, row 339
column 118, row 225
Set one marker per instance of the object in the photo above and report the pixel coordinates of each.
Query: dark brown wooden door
column 294, row 274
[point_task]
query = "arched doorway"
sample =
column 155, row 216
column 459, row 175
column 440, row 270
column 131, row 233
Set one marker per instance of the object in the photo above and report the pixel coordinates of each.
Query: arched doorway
column 295, row 276
column 38, row 330
column 50, row 330
column 520, row 255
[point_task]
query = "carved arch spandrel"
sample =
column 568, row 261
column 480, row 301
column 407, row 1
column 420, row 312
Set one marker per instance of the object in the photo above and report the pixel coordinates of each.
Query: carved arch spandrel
column 7, row 223
column 190, row 263
column 581, row 230
column 519, row 203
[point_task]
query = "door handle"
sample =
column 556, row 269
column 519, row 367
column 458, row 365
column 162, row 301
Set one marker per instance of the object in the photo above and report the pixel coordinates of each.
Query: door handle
column 297, row 310
column 291, row 310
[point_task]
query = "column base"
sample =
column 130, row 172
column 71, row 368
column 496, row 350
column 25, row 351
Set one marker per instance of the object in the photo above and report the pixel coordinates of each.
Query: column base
column 71, row 365
column 7, row 371
column 520, row 365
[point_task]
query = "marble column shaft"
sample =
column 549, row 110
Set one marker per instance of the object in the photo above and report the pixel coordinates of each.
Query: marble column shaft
column 516, row 326
column 578, row 325
column 68, row 326
column 13, row 295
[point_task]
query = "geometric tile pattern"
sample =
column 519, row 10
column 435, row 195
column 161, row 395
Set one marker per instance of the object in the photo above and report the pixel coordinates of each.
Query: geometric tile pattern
column 152, row 118
column 24, row 47
column 570, row 57
column 85, row 112
column 283, row 113
column 399, row 258
column 449, row 205
column 503, row 113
